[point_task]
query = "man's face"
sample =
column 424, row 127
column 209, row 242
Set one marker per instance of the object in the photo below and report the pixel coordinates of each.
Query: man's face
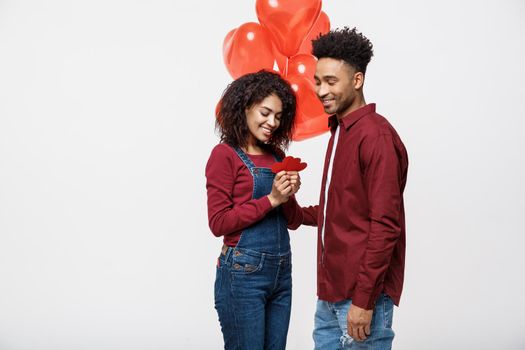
column 335, row 85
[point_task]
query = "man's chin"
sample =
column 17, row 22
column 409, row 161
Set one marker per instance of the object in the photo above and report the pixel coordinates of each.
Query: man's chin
column 329, row 111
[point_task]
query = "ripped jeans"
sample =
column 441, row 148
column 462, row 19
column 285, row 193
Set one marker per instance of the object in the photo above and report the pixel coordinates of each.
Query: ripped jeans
column 330, row 329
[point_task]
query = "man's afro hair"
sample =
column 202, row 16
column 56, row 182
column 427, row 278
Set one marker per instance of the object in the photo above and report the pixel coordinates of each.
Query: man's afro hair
column 345, row 44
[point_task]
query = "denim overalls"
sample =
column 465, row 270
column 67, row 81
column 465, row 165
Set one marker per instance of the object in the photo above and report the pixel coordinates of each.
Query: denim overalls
column 253, row 286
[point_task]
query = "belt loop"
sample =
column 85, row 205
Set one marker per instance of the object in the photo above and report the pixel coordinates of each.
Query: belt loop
column 227, row 251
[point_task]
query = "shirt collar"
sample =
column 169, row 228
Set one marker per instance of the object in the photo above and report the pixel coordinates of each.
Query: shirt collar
column 352, row 117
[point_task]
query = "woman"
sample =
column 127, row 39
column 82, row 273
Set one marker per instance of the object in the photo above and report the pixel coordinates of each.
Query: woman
column 252, row 208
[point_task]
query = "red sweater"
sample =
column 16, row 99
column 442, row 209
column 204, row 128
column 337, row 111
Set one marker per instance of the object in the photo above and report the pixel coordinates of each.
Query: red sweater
column 230, row 185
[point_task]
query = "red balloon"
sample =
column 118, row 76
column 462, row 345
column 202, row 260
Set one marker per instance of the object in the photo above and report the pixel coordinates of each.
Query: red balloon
column 303, row 65
column 288, row 21
column 227, row 43
column 311, row 128
column 247, row 49
column 281, row 60
column 218, row 109
column 308, row 104
column 321, row 26
column 310, row 118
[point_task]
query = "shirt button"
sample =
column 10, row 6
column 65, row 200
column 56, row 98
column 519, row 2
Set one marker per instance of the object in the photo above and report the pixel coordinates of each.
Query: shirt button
column 237, row 253
column 236, row 266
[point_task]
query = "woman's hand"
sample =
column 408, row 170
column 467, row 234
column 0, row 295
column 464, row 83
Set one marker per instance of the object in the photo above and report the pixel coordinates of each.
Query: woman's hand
column 281, row 189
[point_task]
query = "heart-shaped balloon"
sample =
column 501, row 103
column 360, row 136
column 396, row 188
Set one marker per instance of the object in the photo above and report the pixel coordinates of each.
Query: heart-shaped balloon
column 227, row 44
column 281, row 60
column 308, row 104
column 321, row 26
column 218, row 109
column 247, row 49
column 288, row 21
column 310, row 128
column 310, row 117
column 303, row 65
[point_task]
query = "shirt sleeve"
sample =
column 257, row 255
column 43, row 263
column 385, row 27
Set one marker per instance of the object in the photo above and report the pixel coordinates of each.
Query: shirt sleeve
column 223, row 216
column 293, row 213
column 382, row 177
column 291, row 209
column 310, row 215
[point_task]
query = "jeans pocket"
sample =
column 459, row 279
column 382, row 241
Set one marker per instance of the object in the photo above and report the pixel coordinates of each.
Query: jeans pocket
column 244, row 262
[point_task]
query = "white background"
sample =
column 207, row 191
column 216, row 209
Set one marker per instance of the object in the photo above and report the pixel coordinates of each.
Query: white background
column 106, row 124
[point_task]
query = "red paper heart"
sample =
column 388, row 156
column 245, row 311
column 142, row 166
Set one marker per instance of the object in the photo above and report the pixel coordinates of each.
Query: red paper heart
column 289, row 163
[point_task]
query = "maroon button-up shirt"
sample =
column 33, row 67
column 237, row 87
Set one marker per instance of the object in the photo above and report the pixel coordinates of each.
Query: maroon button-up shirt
column 363, row 253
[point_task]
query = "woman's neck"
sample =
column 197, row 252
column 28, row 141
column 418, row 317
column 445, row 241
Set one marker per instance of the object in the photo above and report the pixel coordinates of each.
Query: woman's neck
column 253, row 147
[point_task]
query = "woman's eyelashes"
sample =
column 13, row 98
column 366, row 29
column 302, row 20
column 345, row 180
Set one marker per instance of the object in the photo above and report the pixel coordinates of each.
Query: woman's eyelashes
column 266, row 114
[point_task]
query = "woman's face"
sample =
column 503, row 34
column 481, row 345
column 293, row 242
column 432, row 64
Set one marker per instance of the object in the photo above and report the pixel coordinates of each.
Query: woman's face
column 264, row 118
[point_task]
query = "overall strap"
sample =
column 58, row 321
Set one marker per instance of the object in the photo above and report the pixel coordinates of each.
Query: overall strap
column 245, row 159
column 248, row 162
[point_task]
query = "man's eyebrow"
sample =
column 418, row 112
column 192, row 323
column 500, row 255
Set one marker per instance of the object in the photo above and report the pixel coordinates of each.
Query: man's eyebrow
column 326, row 77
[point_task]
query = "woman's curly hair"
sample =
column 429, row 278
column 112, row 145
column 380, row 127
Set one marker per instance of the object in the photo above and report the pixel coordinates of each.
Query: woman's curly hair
column 345, row 44
column 241, row 95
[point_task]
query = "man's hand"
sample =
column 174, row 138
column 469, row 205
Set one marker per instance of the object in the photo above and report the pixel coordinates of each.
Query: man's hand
column 359, row 320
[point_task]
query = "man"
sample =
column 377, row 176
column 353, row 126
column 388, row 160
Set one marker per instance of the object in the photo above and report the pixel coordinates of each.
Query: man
column 360, row 216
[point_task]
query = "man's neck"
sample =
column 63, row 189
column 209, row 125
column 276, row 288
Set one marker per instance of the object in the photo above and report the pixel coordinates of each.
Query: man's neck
column 357, row 103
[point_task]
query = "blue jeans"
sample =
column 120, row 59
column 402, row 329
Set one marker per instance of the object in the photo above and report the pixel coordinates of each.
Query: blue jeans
column 253, row 297
column 330, row 329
